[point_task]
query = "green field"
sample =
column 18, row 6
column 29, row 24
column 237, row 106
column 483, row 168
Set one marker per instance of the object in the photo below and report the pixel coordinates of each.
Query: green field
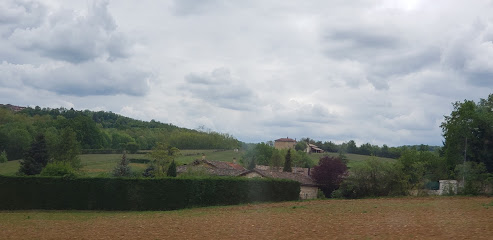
column 102, row 164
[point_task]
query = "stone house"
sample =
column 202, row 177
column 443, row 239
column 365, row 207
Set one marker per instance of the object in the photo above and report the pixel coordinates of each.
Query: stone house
column 284, row 143
column 308, row 188
column 312, row 148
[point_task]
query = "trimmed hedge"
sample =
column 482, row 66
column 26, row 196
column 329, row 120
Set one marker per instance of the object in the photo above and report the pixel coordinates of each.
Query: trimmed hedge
column 139, row 160
column 139, row 194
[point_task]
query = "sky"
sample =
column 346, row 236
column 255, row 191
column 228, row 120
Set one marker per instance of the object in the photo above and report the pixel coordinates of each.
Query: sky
column 379, row 72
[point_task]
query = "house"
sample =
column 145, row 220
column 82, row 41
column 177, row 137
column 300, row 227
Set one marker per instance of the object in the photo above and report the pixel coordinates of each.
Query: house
column 308, row 188
column 216, row 168
column 312, row 148
column 284, row 143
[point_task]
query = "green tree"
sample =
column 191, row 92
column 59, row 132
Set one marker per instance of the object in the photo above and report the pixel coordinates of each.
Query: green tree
column 162, row 155
column 474, row 176
column 276, row 160
column 300, row 146
column 287, row 162
column 68, row 149
column 132, row 147
column 3, row 157
column 171, row 169
column 122, row 169
column 468, row 133
column 18, row 143
column 374, row 178
column 351, row 147
column 36, row 157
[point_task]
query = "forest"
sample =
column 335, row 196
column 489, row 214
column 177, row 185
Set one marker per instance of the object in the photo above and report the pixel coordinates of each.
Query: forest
column 103, row 131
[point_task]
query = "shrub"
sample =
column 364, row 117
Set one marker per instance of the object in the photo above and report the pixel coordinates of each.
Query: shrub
column 171, row 169
column 474, row 175
column 3, row 157
column 60, row 169
column 374, row 178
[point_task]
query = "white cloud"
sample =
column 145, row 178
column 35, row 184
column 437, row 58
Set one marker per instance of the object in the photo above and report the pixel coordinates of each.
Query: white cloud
column 383, row 72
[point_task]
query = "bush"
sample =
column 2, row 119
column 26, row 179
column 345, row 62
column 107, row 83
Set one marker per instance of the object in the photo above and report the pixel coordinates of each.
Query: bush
column 59, row 169
column 474, row 175
column 139, row 194
column 374, row 178
column 3, row 157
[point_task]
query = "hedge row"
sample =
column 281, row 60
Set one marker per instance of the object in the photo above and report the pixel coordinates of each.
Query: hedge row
column 107, row 151
column 139, row 194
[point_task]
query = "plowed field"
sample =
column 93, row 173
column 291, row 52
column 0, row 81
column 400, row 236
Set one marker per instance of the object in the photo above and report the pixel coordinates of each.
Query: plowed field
column 394, row 218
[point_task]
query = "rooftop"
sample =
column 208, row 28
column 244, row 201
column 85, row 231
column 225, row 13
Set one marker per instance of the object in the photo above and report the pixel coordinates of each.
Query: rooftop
column 285, row 140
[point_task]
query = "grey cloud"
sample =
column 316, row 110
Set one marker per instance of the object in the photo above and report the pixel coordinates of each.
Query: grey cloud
column 364, row 38
column 20, row 14
column 100, row 78
column 191, row 7
column 68, row 36
column 470, row 53
column 218, row 88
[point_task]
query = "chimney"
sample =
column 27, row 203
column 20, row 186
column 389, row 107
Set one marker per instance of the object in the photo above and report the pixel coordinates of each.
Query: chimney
column 203, row 156
column 234, row 160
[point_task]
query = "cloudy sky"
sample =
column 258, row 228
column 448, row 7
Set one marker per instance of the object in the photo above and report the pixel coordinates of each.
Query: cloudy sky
column 383, row 72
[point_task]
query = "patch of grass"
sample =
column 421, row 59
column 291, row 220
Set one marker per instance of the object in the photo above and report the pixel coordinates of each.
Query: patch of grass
column 9, row 168
column 488, row 205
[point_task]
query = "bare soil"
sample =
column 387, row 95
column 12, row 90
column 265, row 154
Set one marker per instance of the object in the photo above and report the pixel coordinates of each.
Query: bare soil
column 391, row 218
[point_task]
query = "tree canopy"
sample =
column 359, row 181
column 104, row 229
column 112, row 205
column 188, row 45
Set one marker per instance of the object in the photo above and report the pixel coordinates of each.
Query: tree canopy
column 468, row 133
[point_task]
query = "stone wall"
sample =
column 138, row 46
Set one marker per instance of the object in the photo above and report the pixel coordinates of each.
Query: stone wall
column 284, row 145
column 307, row 192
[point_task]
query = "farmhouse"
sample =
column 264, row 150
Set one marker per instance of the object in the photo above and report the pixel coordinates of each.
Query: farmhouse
column 312, row 148
column 284, row 143
column 308, row 189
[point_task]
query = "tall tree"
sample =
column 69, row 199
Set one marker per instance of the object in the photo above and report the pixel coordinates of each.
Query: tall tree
column 329, row 174
column 162, row 155
column 468, row 133
column 68, row 149
column 36, row 157
column 171, row 169
column 276, row 160
column 287, row 162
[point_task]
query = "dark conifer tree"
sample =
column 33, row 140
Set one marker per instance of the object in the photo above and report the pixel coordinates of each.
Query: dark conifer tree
column 171, row 169
column 287, row 162
column 36, row 157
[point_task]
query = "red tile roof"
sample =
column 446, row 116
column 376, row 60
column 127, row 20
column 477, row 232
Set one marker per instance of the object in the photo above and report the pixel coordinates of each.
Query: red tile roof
column 285, row 140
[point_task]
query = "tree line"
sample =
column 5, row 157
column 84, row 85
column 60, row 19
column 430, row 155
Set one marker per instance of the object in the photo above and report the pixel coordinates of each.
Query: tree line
column 98, row 130
column 366, row 148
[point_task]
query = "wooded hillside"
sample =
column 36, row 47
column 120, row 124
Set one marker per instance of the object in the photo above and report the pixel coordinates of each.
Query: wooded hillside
column 98, row 130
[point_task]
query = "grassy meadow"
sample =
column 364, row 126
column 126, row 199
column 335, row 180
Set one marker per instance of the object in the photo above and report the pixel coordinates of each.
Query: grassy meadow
column 102, row 164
